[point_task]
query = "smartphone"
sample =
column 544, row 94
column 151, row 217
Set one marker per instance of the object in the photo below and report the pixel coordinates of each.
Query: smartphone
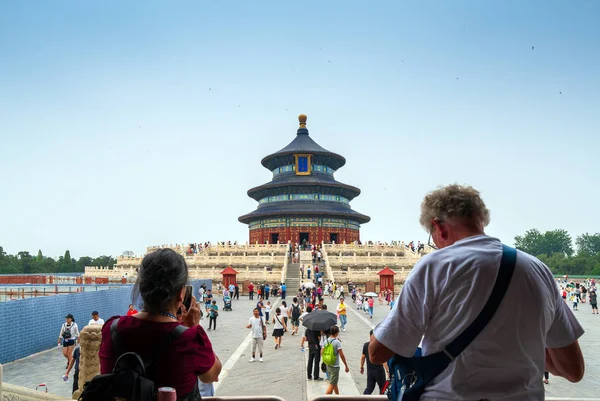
column 187, row 298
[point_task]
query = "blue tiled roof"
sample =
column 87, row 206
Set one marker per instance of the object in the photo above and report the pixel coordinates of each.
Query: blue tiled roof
column 313, row 181
column 303, row 143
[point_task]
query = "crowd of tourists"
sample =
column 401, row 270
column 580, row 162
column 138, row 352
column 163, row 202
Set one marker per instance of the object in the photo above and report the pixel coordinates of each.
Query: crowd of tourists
column 575, row 293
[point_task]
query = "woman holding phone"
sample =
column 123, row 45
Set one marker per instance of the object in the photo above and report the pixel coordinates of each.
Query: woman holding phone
column 161, row 285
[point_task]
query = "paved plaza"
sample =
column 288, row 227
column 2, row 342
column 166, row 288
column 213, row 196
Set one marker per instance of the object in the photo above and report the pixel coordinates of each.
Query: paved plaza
column 283, row 371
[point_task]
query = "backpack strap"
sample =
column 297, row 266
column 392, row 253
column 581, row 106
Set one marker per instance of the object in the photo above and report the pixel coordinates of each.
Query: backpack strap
column 114, row 336
column 505, row 273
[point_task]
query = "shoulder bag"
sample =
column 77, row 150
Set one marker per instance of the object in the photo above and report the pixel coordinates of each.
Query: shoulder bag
column 264, row 328
column 410, row 376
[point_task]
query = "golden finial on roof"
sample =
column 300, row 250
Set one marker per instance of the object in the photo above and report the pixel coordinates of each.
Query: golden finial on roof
column 302, row 119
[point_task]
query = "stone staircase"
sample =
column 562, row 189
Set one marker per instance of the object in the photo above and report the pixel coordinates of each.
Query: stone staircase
column 292, row 278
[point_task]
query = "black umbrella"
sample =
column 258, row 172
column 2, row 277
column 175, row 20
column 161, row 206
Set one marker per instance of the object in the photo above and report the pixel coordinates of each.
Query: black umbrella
column 319, row 320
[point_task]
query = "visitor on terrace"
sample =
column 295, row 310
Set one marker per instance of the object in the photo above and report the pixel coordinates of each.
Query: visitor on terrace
column 531, row 330
column 189, row 356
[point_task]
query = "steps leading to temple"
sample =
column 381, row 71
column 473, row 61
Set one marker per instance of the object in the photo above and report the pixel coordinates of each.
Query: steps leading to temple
column 292, row 278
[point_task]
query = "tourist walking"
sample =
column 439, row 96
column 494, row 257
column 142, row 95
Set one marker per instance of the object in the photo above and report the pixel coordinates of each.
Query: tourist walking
column 251, row 291
column 73, row 364
column 95, row 320
column 376, row 373
column 531, row 331
column 259, row 333
column 283, row 290
column 162, row 278
column 208, row 297
column 237, row 291
column 260, row 305
column 333, row 367
column 279, row 327
column 313, row 366
column 341, row 311
column 296, row 312
column 594, row 302
column 341, row 289
column 267, row 290
column 285, row 312
column 214, row 313
column 371, row 305
column 267, row 311
column 69, row 332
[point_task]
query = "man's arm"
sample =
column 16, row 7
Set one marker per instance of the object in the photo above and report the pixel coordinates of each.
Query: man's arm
column 362, row 363
column 343, row 358
column 379, row 353
column 566, row 362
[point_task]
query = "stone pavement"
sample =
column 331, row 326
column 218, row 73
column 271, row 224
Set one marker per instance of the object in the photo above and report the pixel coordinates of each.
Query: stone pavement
column 283, row 371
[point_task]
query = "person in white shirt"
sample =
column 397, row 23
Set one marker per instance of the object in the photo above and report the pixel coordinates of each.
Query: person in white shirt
column 533, row 329
column 259, row 332
column 95, row 320
column 285, row 311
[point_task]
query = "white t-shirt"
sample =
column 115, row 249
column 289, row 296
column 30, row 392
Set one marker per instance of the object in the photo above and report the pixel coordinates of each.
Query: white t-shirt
column 98, row 322
column 257, row 327
column 284, row 311
column 278, row 324
column 444, row 293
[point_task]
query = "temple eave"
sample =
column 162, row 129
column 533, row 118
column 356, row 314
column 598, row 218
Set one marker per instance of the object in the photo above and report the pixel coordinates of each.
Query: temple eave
column 257, row 215
column 271, row 188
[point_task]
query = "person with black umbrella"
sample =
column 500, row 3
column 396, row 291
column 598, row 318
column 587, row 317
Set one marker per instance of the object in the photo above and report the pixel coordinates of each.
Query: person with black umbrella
column 313, row 337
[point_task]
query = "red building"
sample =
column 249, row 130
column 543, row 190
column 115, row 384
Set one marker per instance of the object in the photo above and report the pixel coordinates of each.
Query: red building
column 303, row 202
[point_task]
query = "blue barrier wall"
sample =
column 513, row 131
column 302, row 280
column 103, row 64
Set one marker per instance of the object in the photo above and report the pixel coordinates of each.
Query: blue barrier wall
column 32, row 325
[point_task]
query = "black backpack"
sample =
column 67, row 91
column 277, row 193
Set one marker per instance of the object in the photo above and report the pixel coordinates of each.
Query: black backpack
column 295, row 312
column 67, row 331
column 129, row 379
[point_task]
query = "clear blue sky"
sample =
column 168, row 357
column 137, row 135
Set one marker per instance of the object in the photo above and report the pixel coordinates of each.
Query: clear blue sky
column 131, row 123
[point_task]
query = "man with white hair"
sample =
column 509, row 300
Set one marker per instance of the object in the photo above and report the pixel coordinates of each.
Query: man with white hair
column 532, row 330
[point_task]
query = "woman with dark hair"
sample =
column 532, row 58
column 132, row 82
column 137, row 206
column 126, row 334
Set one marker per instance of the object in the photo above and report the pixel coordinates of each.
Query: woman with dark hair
column 69, row 332
column 161, row 285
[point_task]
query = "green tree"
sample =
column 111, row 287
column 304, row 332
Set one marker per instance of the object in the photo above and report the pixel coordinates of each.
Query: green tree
column 26, row 262
column 40, row 257
column 530, row 242
column 3, row 259
column 588, row 244
column 82, row 263
column 66, row 263
column 106, row 261
column 558, row 241
column 549, row 243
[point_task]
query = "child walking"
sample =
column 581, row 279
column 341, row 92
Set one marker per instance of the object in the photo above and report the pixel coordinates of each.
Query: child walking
column 267, row 311
column 278, row 328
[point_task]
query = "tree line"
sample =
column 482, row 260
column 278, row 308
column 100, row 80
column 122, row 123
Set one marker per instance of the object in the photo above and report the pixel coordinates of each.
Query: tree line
column 25, row 263
column 555, row 249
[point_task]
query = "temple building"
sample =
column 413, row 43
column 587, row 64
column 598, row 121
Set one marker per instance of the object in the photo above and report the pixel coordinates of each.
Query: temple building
column 303, row 202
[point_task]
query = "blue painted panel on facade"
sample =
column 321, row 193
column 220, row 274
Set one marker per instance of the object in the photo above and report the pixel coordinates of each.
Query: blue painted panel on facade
column 32, row 325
